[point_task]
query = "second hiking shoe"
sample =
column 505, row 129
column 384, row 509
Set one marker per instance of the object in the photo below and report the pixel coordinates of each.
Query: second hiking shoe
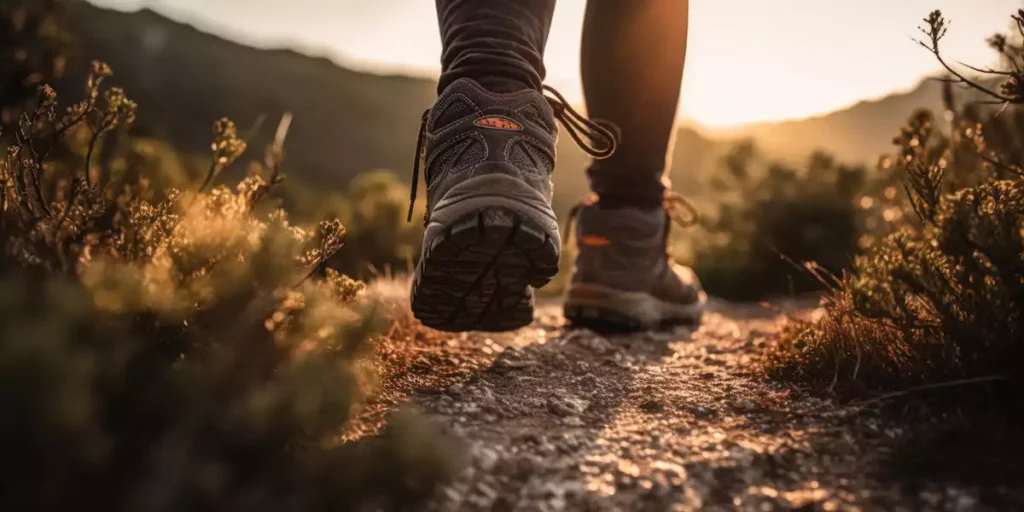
column 491, row 236
column 624, row 279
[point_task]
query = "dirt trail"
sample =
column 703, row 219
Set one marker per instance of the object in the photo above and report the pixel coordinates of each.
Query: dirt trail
column 557, row 419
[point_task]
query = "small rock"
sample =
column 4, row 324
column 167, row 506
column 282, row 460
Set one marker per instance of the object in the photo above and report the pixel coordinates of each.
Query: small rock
column 566, row 406
column 595, row 344
column 701, row 412
column 573, row 421
column 487, row 491
column 511, row 364
column 745, row 406
column 652, row 406
column 487, row 458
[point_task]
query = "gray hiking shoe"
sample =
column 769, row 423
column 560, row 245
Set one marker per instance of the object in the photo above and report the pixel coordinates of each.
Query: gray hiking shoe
column 491, row 236
column 623, row 279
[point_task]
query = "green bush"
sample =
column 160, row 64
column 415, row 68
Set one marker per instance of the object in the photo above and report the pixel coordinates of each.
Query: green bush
column 941, row 300
column 780, row 230
column 184, row 350
column 381, row 241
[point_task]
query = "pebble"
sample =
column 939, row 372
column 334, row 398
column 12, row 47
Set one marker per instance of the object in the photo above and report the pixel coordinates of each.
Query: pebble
column 566, row 406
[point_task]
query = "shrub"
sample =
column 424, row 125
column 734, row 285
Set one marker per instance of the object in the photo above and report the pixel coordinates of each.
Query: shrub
column 33, row 51
column 941, row 300
column 179, row 350
column 780, row 230
column 380, row 240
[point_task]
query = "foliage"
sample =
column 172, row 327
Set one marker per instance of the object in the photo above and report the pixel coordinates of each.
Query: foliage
column 374, row 207
column 33, row 51
column 941, row 300
column 380, row 241
column 178, row 350
column 780, row 230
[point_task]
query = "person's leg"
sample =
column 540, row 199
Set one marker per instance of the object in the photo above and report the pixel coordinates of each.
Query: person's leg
column 632, row 63
column 633, row 54
column 497, row 43
column 488, row 151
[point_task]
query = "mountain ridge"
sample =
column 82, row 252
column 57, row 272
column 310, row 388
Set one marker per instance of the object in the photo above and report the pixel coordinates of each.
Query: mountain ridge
column 865, row 128
column 349, row 121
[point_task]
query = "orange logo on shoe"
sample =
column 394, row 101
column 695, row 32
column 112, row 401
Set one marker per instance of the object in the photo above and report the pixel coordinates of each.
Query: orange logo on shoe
column 498, row 123
column 594, row 241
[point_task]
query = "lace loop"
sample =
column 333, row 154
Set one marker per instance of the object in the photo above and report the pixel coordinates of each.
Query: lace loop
column 421, row 156
column 579, row 126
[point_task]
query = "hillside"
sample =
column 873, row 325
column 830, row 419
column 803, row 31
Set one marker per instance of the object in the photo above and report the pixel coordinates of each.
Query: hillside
column 856, row 134
column 347, row 122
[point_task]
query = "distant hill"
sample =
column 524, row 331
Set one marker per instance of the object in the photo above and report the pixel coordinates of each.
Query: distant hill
column 347, row 122
column 184, row 79
column 859, row 133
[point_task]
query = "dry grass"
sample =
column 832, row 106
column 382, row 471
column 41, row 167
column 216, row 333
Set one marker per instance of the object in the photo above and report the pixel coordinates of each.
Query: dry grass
column 940, row 301
column 174, row 349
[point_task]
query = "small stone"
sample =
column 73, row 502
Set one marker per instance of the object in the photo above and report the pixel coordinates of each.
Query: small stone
column 566, row 406
column 652, row 406
column 745, row 406
column 487, row 458
column 573, row 421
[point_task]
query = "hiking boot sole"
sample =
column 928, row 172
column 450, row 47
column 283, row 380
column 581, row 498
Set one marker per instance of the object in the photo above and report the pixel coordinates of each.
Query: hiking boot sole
column 604, row 309
column 488, row 244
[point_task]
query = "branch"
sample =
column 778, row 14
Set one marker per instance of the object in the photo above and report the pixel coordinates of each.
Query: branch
column 989, row 71
column 939, row 385
column 210, row 173
column 1000, row 164
column 962, row 79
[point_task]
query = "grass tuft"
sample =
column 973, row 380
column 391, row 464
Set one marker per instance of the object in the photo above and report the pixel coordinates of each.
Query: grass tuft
column 942, row 299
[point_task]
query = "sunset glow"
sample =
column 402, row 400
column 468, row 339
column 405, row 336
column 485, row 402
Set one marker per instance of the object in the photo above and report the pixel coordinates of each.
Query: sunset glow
column 748, row 60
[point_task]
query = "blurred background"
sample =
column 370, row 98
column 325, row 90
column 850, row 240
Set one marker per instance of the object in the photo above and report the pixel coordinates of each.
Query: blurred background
column 768, row 85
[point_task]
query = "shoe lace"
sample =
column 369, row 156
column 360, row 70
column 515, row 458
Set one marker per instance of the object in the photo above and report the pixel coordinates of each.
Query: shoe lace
column 602, row 137
column 678, row 208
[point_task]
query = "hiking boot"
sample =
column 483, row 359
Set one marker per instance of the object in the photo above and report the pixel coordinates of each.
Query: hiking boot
column 491, row 236
column 624, row 279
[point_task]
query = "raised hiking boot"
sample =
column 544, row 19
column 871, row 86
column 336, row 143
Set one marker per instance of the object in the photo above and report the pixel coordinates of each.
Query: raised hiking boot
column 491, row 235
column 623, row 279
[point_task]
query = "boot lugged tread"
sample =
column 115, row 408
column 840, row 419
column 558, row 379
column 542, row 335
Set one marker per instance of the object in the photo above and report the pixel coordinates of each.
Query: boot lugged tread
column 480, row 275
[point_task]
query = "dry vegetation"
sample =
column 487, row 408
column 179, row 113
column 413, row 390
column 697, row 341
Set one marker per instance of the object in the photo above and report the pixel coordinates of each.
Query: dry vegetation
column 165, row 349
column 941, row 301
column 778, row 230
column 171, row 342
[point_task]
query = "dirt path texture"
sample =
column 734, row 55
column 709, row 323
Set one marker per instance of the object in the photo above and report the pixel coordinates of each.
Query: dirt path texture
column 552, row 418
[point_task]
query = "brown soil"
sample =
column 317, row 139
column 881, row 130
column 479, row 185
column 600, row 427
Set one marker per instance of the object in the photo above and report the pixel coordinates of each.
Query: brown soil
column 558, row 419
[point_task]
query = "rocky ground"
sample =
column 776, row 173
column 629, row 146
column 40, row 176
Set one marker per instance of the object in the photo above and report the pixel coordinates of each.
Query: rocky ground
column 559, row 419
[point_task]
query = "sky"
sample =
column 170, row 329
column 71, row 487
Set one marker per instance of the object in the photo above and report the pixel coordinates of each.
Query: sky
column 747, row 60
